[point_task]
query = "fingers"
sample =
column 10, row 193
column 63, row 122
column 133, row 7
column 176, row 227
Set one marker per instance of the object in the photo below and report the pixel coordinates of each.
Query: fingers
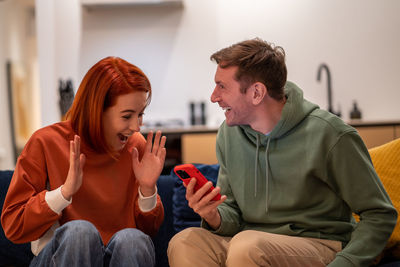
column 148, row 142
column 162, row 151
column 156, row 142
column 158, row 146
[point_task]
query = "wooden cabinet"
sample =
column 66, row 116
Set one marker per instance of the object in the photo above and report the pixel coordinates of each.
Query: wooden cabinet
column 189, row 145
column 199, row 148
column 377, row 133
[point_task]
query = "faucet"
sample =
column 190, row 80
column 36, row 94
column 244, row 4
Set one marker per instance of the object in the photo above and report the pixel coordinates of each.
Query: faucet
column 325, row 67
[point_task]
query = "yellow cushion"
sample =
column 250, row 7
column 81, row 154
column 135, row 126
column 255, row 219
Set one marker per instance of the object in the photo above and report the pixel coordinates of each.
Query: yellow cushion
column 386, row 160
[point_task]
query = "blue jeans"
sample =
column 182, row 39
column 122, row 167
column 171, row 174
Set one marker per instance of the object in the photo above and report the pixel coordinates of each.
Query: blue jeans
column 78, row 243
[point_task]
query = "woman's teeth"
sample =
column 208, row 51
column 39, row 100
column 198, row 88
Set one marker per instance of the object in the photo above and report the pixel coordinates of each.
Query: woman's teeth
column 122, row 137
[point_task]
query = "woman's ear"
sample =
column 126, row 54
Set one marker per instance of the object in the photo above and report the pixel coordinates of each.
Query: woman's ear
column 259, row 93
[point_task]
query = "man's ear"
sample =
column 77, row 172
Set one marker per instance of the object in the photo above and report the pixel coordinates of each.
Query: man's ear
column 259, row 92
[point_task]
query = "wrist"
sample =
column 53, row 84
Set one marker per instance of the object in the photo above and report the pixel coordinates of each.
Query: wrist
column 147, row 191
column 66, row 195
column 213, row 219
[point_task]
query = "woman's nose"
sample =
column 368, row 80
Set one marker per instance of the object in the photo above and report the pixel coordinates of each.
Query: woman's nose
column 134, row 125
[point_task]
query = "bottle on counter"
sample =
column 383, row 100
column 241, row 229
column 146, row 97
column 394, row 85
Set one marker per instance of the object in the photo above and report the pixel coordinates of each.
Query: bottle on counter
column 355, row 113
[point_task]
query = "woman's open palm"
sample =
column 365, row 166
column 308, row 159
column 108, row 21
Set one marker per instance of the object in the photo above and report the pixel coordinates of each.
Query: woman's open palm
column 149, row 168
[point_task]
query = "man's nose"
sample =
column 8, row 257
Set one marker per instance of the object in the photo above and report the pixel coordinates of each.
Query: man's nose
column 214, row 96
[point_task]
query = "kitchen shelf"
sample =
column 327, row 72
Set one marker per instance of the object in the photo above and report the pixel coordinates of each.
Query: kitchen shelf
column 93, row 4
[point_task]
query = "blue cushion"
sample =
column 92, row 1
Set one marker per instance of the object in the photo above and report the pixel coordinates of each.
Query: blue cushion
column 11, row 254
column 183, row 215
column 165, row 185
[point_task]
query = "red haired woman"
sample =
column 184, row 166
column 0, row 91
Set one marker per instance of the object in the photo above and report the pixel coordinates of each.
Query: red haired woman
column 84, row 190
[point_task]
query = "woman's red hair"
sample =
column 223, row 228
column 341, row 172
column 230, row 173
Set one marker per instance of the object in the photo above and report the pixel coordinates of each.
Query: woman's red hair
column 99, row 89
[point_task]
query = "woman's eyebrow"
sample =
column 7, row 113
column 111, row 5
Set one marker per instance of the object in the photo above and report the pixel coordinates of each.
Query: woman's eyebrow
column 128, row 110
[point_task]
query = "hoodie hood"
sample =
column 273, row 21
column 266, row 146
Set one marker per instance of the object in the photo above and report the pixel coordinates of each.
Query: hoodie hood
column 294, row 111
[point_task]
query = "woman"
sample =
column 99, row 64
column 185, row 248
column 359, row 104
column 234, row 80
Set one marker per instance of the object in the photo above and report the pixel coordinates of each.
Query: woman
column 84, row 190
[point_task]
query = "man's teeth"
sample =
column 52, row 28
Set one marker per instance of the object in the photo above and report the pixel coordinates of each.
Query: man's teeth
column 226, row 108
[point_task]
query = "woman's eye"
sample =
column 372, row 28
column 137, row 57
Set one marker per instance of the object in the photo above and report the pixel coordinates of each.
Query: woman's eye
column 127, row 117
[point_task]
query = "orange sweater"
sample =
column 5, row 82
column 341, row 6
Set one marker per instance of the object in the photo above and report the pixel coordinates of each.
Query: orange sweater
column 108, row 197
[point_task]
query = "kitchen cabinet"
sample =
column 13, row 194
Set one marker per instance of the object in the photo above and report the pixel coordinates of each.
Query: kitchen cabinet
column 377, row 133
column 195, row 144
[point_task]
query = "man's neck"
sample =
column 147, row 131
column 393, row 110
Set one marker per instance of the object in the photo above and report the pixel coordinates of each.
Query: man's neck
column 268, row 115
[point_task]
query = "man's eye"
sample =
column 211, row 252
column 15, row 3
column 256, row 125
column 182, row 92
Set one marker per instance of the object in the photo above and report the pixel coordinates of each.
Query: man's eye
column 141, row 115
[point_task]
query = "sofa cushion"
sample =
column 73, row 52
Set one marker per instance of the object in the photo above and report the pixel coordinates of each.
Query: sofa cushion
column 11, row 254
column 386, row 160
column 183, row 215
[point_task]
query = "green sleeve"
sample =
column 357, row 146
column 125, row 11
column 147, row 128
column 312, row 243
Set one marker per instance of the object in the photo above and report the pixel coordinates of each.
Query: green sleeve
column 231, row 217
column 351, row 173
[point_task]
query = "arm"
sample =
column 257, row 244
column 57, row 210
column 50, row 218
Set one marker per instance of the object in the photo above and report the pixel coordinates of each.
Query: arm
column 228, row 212
column 149, row 212
column 30, row 210
column 352, row 174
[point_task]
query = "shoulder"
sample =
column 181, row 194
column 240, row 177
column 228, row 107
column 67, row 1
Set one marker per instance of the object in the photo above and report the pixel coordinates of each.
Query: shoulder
column 46, row 142
column 52, row 134
column 325, row 120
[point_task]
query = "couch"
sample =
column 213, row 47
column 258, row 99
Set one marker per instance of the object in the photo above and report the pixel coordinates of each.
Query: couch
column 179, row 216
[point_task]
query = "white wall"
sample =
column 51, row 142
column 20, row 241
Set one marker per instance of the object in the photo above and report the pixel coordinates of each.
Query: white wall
column 17, row 45
column 6, row 162
column 358, row 39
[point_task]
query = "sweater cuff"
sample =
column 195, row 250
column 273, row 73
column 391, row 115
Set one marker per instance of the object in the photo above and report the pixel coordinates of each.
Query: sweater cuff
column 56, row 201
column 147, row 203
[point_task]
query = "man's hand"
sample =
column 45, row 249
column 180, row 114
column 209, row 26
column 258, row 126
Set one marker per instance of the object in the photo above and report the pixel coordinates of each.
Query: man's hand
column 75, row 173
column 149, row 168
column 203, row 204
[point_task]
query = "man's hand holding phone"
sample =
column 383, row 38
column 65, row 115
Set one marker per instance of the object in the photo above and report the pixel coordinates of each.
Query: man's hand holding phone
column 202, row 197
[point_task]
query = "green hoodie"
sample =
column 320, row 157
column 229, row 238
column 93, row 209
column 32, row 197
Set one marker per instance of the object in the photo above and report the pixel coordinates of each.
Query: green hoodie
column 304, row 179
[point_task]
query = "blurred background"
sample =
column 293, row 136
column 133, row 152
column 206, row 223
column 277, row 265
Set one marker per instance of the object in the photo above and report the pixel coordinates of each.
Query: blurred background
column 47, row 44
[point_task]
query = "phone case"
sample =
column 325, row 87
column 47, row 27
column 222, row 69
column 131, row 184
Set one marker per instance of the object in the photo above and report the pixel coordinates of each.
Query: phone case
column 187, row 171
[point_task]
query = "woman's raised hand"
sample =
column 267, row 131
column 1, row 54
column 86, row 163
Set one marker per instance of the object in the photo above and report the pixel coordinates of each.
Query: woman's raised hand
column 75, row 173
column 149, row 168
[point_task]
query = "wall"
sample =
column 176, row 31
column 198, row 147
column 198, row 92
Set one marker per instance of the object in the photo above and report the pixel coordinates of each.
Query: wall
column 358, row 39
column 5, row 134
column 17, row 46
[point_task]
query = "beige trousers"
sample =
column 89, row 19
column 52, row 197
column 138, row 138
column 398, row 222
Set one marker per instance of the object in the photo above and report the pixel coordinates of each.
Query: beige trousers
column 198, row 247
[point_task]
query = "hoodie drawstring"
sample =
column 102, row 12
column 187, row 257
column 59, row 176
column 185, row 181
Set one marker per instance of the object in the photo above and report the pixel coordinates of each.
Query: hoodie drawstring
column 266, row 171
column 266, row 176
column 256, row 167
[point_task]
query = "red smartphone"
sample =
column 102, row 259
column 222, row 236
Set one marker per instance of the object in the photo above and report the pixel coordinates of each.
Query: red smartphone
column 188, row 171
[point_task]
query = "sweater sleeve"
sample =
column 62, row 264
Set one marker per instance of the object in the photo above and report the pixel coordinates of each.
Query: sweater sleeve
column 149, row 222
column 26, row 215
column 352, row 175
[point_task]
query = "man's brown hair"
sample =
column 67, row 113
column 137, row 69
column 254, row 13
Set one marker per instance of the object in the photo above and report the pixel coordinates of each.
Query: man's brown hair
column 257, row 61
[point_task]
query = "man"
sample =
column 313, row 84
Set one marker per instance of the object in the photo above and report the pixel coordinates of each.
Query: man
column 290, row 174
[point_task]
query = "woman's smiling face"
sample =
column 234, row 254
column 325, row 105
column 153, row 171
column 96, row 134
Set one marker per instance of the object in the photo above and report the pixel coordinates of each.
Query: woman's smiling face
column 124, row 119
